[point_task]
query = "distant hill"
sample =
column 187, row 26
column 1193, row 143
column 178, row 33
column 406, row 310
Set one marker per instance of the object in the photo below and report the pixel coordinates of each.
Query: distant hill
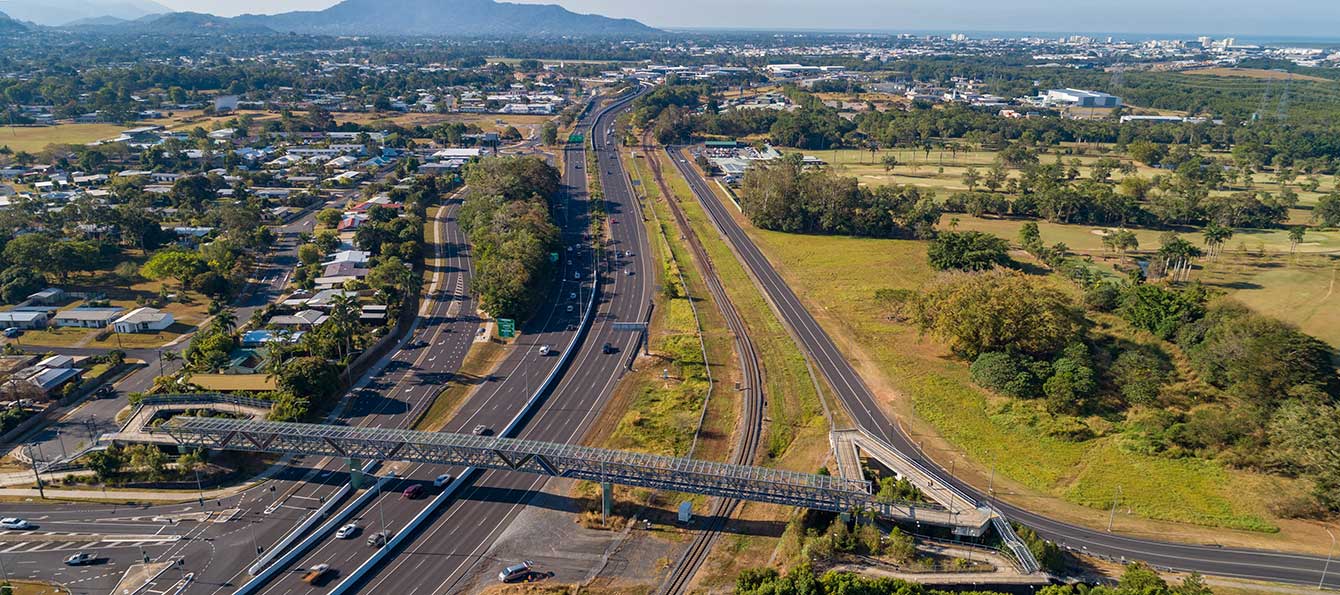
column 190, row 23
column 61, row 12
column 102, row 21
column 451, row 18
column 11, row 26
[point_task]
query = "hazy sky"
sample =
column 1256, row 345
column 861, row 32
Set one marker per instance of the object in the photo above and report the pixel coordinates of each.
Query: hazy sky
column 1238, row 17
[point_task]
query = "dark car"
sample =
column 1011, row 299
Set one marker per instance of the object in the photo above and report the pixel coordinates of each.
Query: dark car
column 608, row 349
column 413, row 492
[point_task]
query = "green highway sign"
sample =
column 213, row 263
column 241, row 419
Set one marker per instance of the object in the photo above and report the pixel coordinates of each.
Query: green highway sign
column 506, row 328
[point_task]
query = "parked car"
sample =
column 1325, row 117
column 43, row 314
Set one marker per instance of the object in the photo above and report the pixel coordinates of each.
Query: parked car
column 13, row 332
column 15, row 524
column 80, row 559
column 347, row 531
column 515, row 572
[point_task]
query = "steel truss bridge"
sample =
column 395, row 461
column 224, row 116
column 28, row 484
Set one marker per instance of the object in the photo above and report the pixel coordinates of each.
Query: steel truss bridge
column 757, row 484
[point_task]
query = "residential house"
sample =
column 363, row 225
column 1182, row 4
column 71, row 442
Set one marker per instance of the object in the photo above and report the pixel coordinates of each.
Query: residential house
column 23, row 320
column 88, row 317
column 305, row 320
column 143, row 320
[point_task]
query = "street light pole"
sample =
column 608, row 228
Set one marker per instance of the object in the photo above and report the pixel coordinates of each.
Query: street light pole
column 1113, row 515
column 1321, row 583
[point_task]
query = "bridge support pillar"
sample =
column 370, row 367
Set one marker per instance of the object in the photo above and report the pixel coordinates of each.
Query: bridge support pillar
column 355, row 475
column 606, row 501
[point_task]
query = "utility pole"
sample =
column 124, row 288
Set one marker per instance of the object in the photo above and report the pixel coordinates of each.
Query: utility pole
column 37, row 476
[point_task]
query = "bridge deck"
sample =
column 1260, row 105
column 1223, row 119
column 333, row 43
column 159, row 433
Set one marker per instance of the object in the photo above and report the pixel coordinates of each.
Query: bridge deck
column 758, row 484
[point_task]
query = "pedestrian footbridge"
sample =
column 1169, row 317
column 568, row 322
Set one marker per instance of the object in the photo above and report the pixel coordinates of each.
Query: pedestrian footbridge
column 757, row 484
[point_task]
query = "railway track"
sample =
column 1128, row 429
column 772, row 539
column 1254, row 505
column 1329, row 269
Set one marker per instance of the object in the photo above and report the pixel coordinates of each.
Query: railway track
column 681, row 575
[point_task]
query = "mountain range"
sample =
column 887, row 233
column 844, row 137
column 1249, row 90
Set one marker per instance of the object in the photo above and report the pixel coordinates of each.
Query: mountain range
column 54, row 13
column 452, row 18
column 438, row 18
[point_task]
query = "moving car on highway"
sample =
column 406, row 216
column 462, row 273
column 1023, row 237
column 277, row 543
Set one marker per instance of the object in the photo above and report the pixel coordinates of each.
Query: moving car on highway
column 15, row 524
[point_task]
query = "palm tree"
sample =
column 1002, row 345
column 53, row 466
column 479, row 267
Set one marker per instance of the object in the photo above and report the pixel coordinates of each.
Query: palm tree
column 1295, row 237
column 343, row 319
column 167, row 356
column 1215, row 236
column 276, row 355
column 225, row 321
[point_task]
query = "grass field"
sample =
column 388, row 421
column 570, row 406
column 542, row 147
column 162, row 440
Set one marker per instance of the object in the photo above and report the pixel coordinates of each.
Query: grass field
column 34, row 588
column 34, row 139
column 934, row 397
column 1255, row 73
column 942, row 171
column 1256, row 267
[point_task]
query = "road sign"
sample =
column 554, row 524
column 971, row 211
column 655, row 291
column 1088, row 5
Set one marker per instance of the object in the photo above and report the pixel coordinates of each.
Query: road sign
column 553, row 257
column 640, row 327
column 506, row 328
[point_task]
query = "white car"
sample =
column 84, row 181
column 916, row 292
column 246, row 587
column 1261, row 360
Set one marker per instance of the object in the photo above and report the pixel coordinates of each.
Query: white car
column 544, row 350
column 442, row 480
column 347, row 531
column 14, row 524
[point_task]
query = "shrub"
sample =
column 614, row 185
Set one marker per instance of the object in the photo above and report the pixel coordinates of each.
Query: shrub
column 968, row 251
column 997, row 310
column 1005, row 374
column 1140, row 374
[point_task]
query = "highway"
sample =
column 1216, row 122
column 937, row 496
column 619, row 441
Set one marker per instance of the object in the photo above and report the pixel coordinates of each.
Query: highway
column 440, row 559
column 862, row 405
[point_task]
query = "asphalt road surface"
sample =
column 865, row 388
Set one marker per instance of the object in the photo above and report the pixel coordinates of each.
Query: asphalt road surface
column 860, row 402
column 454, row 541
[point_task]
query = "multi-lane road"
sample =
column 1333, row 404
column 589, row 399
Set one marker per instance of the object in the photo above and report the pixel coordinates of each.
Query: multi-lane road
column 862, row 405
column 442, row 555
